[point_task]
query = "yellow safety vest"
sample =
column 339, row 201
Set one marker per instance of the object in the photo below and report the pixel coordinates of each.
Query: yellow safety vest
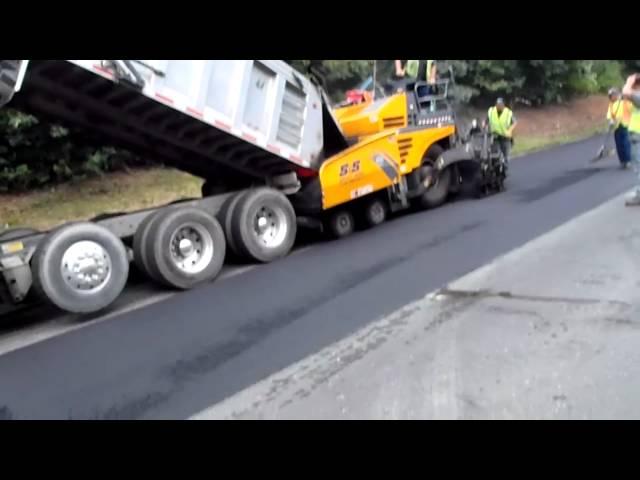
column 413, row 67
column 634, row 122
column 620, row 112
column 500, row 124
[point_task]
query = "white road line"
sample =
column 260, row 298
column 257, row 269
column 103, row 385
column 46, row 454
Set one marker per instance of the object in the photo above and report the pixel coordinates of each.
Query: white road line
column 69, row 323
column 301, row 250
column 135, row 306
column 24, row 338
column 236, row 271
column 21, row 338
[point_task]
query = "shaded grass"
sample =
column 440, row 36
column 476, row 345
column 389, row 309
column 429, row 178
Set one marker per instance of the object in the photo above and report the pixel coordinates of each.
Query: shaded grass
column 530, row 144
column 82, row 200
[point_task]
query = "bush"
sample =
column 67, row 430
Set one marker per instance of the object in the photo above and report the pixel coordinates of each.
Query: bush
column 609, row 74
column 583, row 79
column 34, row 154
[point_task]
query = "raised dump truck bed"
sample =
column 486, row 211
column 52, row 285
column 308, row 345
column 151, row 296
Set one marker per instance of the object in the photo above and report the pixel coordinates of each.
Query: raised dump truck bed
column 233, row 122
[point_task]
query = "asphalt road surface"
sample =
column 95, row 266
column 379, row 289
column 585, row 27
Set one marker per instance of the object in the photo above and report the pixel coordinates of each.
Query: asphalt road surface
column 164, row 355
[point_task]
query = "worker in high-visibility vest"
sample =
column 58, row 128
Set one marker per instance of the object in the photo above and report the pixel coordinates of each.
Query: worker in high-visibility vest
column 502, row 122
column 419, row 70
column 631, row 92
column 618, row 116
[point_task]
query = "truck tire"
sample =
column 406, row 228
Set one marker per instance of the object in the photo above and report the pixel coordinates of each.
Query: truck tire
column 185, row 247
column 80, row 268
column 14, row 233
column 225, row 217
column 436, row 194
column 479, row 187
column 374, row 212
column 140, row 249
column 341, row 224
column 455, row 185
column 264, row 225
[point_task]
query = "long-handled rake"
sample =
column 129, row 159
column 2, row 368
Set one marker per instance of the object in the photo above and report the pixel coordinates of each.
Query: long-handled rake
column 603, row 151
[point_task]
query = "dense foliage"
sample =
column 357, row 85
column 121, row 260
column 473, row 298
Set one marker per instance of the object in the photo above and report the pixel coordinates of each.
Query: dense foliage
column 479, row 81
column 34, row 153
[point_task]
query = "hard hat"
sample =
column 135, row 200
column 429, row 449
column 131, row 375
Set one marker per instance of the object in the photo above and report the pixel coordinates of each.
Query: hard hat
column 500, row 101
column 613, row 91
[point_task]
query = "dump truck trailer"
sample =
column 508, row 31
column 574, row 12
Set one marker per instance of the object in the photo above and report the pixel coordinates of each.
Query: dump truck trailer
column 272, row 151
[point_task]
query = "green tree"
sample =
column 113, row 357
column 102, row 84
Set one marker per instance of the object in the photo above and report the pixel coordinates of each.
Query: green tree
column 341, row 75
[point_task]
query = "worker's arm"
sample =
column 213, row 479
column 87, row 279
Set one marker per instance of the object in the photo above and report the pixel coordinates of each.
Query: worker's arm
column 433, row 75
column 629, row 93
column 634, row 97
column 399, row 69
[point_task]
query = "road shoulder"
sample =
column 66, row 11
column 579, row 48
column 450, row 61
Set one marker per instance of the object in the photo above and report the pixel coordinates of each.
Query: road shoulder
column 549, row 330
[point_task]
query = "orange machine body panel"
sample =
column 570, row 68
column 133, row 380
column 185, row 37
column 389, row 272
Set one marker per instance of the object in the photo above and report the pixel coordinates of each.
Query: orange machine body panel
column 376, row 163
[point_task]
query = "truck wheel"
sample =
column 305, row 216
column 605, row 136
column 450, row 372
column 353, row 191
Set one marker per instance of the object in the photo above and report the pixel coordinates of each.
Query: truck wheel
column 13, row 233
column 437, row 193
column 140, row 249
column 264, row 225
column 375, row 212
column 455, row 184
column 341, row 224
column 80, row 268
column 225, row 217
column 185, row 247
